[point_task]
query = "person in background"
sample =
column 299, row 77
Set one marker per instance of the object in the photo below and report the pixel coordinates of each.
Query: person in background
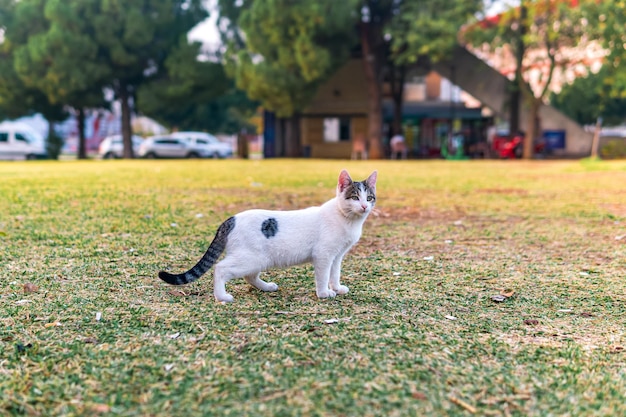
column 398, row 147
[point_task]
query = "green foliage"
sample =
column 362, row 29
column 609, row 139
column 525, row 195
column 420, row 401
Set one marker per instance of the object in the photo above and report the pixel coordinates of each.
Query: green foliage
column 614, row 149
column 59, row 61
column 69, row 50
column 607, row 24
column 429, row 28
column 17, row 98
column 54, row 144
column 287, row 50
column 586, row 99
column 544, row 27
column 194, row 95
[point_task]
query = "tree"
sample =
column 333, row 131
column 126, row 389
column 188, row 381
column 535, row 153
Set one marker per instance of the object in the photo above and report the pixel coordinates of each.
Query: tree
column 132, row 41
column 539, row 32
column 80, row 46
column 42, row 60
column 16, row 97
column 279, row 51
column 424, row 31
column 587, row 98
column 607, row 24
column 194, row 95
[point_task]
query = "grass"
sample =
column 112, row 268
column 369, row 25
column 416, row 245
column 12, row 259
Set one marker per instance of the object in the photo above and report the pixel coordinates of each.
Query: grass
column 418, row 334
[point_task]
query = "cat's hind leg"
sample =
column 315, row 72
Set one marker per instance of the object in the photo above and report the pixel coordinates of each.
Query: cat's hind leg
column 225, row 270
column 257, row 282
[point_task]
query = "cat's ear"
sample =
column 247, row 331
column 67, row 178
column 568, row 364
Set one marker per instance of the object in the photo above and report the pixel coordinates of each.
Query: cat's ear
column 344, row 180
column 371, row 180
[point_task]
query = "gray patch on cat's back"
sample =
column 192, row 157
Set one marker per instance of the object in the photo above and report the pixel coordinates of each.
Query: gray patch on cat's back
column 269, row 227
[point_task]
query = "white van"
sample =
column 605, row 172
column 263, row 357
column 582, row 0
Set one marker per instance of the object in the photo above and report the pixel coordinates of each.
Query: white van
column 19, row 141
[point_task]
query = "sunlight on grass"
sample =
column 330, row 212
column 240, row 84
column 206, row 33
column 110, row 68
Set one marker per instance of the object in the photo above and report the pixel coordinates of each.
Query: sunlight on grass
column 96, row 333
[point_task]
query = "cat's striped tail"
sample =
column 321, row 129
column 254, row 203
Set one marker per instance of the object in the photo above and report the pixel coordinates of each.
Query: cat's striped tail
column 208, row 259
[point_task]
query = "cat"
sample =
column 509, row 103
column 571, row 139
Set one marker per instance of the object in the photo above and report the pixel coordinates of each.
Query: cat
column 257, row 240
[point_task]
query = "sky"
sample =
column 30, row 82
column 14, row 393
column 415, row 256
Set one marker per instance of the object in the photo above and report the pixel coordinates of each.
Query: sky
column 206, row 31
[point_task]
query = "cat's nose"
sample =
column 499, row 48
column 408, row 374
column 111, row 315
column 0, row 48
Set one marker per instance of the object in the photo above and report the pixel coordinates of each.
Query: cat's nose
column 364, row 207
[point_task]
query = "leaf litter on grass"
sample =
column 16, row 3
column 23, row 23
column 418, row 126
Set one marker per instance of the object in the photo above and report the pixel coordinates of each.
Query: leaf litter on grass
column 272, row 354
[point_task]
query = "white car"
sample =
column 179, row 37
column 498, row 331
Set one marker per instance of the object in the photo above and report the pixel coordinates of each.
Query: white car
column 19, row 141
column 113, row 147
column 213, row 147
column 181, row 146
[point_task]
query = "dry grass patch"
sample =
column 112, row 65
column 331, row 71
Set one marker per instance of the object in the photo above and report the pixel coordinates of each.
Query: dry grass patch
column 418, row 334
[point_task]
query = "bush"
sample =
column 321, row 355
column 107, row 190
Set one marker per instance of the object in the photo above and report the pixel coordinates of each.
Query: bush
column 614, row 149
column 54, row 144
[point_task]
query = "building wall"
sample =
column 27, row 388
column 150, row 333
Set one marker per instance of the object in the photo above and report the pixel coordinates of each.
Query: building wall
column 490, row 87
column 343, row 95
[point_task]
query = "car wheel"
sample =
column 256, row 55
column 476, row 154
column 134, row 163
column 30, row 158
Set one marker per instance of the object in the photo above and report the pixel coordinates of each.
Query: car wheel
column 192, row 155
column 215, row 155
column 109, row 155
column 150, row 155
column 30, row 157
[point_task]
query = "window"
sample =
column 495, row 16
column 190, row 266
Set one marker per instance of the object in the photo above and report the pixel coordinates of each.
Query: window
column 167, row 142
column 201, row 142
column 336, row 129
column 4, row 137
column 26, row 137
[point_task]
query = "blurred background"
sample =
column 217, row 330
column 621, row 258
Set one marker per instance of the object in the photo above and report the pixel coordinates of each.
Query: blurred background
column 451, row 79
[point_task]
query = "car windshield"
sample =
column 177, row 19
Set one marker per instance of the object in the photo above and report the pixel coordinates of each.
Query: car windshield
column 27, row 137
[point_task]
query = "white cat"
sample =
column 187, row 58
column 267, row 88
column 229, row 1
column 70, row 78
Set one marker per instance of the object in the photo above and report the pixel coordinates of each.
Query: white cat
column 257, row 240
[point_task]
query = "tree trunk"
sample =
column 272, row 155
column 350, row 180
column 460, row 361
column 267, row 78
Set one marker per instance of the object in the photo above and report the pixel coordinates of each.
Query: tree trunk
column 242, row 145
column 531, row 131
column 397, row 92
column 514, row 107
column 279, row 138
column 127, row 130
column 596, row 138
column 292, row 137
column 82, row 145
column 374, row 94
column 518, row 82
column 53, row 143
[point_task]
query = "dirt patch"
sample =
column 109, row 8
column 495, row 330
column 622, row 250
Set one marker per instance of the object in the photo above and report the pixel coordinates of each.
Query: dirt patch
column 617, row 210
column 503, row 191
column 416, row 213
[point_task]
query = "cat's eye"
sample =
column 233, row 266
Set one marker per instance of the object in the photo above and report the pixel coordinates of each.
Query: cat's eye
column 355, row 197
column 370, row 198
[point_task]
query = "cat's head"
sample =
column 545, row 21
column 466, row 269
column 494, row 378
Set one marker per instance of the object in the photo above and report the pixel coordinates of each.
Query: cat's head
column 356, row 199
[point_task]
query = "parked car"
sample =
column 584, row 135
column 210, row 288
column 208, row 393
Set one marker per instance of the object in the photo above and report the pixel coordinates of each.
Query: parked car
column 19, row 141
column 214, row 147
column 181, row 146
column 113, row 147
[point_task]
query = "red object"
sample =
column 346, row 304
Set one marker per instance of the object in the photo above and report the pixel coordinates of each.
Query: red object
column 512, row 147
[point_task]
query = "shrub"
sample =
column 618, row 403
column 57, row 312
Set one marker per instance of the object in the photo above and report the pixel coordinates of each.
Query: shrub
column 54, row 144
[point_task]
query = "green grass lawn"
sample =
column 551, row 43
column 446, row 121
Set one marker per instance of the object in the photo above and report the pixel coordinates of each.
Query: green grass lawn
column 97, row 333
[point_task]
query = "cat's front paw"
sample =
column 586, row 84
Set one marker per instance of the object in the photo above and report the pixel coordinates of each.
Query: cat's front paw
column 341, row 290
column 326, row 294
column 224, row 298
column 271, row 287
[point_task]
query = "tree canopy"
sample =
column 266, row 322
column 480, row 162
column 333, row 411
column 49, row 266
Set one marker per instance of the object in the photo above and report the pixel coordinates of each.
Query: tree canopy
column 281, row 50
column 537, row 33
column 70, row 50
column 590, row 97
